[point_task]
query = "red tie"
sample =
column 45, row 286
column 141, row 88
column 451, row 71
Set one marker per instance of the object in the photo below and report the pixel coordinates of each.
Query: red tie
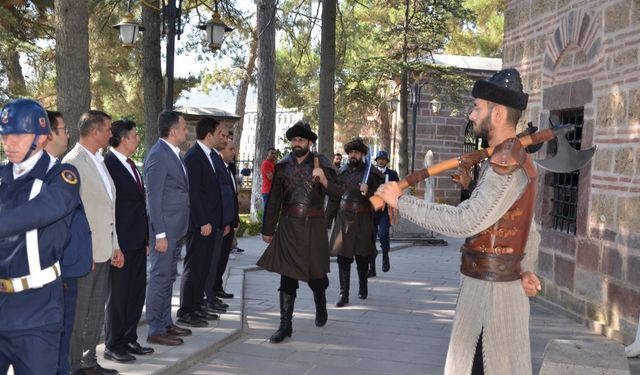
column 135, row 174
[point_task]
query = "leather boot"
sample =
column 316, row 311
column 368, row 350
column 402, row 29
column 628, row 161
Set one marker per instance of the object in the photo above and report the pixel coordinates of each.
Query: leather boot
column 286, row 314
column 363, row 290
column 321, row 308
column 344, row 271
column 372, row 265
column 385, row 261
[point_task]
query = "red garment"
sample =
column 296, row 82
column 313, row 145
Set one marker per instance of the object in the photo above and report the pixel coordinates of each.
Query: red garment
column 267, row 166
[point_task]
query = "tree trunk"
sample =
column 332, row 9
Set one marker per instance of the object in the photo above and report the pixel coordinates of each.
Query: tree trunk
column 266, row 66
column 385, row 127
column 10, row 60
column 327, row 77
column 151, row 73
column 73, row 84
column 403, row 131
column 243, row 88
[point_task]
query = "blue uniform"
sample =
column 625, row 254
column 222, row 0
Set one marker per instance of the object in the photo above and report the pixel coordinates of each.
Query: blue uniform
column 32, row 319
column 381, row 218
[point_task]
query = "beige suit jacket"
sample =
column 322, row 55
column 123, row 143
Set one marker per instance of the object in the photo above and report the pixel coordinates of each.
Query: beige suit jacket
column 99, row 207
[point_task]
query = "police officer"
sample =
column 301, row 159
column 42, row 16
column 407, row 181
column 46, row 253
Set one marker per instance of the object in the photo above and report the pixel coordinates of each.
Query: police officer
column 37, row 198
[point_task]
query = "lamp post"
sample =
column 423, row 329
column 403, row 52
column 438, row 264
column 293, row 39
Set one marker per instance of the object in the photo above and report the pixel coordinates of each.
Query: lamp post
column 171, row 14
column 415, row 102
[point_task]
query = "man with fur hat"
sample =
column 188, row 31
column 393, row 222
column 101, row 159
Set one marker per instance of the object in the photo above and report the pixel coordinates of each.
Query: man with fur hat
column 294, row 226
column 353, row 235
column 491, row 327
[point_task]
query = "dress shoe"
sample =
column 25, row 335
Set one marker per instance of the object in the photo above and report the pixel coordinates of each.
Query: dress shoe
column 191, row 321
column 201, row 314
column 134, row 347
column 214, row 308
column 178, row 331
column 226, row 306
column 239, row 250
column 165, row 339
column 223, row 294
column 99, row 370
column 118, row 355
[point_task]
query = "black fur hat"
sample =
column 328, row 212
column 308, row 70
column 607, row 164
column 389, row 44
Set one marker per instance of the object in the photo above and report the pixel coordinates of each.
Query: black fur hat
column 301, row 129
column 356, row 144
column 504, row 87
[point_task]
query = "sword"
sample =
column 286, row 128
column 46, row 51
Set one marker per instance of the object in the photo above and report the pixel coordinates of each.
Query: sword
column 365, row 177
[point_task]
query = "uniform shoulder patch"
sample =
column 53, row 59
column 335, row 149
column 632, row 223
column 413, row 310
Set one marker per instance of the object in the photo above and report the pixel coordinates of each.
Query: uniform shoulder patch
column 69, row 176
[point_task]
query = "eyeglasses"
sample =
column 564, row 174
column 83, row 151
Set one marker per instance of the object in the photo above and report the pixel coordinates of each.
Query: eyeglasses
column 65, row 129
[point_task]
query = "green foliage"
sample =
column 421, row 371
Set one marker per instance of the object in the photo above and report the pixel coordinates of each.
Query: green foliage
column 482, row 34
column 248, row 227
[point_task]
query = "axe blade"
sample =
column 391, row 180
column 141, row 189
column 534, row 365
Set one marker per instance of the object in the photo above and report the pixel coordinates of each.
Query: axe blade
column 567, row 159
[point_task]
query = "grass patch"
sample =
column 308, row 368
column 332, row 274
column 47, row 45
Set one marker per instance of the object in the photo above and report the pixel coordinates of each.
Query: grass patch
column 248, row 227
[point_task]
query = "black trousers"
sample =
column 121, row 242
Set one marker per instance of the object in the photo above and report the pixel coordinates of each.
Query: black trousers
column 227, row 242
column 478, row 368
column 194, row 275
column 289, row 285
column 362, row 263
column 125, row 299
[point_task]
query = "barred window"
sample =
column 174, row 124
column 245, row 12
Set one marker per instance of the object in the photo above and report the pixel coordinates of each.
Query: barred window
column 565, row 185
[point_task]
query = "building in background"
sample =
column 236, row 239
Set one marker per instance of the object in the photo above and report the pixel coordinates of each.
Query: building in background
column 285, row 118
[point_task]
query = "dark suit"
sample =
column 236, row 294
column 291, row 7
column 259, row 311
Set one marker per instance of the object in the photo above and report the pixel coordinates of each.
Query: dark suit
column 227, row 197
column 381, row 222
column 227, row 241
column 168, row 207
column 127, row 284
column 202, row 251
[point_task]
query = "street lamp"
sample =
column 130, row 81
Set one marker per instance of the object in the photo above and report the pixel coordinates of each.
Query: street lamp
column 128, row 28
column 435, row 106
column 415, row 102
column 215, row 30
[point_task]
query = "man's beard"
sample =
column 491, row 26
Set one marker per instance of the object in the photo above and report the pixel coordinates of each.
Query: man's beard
column 353, row 162
column 299, row 151
column 481, row 129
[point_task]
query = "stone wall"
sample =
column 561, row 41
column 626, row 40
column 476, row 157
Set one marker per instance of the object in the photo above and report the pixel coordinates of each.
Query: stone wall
column 585, row 54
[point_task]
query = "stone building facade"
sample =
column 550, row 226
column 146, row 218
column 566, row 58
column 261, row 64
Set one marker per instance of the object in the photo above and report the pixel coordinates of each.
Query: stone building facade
column 579, row 62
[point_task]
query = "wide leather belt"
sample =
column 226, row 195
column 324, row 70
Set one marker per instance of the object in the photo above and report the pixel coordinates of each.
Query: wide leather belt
column 19, row 284
column 355, row 207
column 299, row 211
column 490, row 266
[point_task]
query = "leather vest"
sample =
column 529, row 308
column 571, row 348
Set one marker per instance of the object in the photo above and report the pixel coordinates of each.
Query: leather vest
column 300, row 190
column 495, row 253
column 352, row 199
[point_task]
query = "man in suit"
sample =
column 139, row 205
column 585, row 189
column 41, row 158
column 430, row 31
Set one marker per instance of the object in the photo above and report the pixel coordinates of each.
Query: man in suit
column 228, row 156
column 98, row 194
column 168, row 207
column 128, row 284
column 381, row 223
column 77, row 258
column 205, row 225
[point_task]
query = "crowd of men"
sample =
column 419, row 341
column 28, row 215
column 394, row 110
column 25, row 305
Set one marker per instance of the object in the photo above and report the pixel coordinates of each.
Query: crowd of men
column 79, row 231
column 77, row 234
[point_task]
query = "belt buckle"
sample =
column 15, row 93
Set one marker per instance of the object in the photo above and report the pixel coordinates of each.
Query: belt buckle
column 6, row 286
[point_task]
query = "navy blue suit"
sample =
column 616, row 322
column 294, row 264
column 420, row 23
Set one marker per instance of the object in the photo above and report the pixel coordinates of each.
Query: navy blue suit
column 31, row 341
column 76, row 262
column 381, row 222
column 227, row 241
column 206, row 208
column 127, row 284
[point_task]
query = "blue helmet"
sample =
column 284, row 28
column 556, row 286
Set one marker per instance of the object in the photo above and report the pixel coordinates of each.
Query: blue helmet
column 24, row 116
column 382, row 154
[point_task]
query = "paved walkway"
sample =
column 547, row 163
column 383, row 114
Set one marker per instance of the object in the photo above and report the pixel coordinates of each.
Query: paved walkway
column 402, row 328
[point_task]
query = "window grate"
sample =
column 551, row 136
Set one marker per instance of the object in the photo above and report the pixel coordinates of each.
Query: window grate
column 565, row 185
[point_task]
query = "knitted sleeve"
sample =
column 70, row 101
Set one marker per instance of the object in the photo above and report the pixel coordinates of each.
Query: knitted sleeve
column 490, row 200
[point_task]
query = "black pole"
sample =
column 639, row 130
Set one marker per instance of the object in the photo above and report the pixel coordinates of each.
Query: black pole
column 170, row 13
column 416, row 103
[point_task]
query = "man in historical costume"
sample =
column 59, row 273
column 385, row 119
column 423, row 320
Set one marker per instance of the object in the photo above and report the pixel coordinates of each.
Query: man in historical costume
column 353, row 234
column 298, row 249
column 491, row 326
column 381, row 222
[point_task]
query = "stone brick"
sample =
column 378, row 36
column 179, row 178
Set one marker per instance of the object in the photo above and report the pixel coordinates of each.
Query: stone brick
column 566, row 60
column 623, row 163
column 602, row 160
column 589, row 284
column 540, row 41
column 628, row 209
column 571, row 302
column 540, row 7
column 523, row 13
column 603, row 115
column 594, row 50
column 626, row 57
column 623, row 299
column 557, row 39
column 510, row 18
column 616, row 17
column 588, row 255
column 634, row 107
column 584, row 27
column 595, row 311
column 618, row 108
column 518, row 51
column 612, row 262
column 564, row 271
column 549, row 64
column 545, row 264
column 635, row 13
column 633, row 241
column 567, row 95
column 604, row 234
column 580, row 58
column 633, row 268
column 602, row 207
column 563, row 3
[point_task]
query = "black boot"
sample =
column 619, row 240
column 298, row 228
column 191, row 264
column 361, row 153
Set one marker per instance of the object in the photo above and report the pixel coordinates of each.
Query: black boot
column 363, row 290
column 321, row 308
column 344, row 271
column 286, row 314
column 372, row 265
column 385, row 261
